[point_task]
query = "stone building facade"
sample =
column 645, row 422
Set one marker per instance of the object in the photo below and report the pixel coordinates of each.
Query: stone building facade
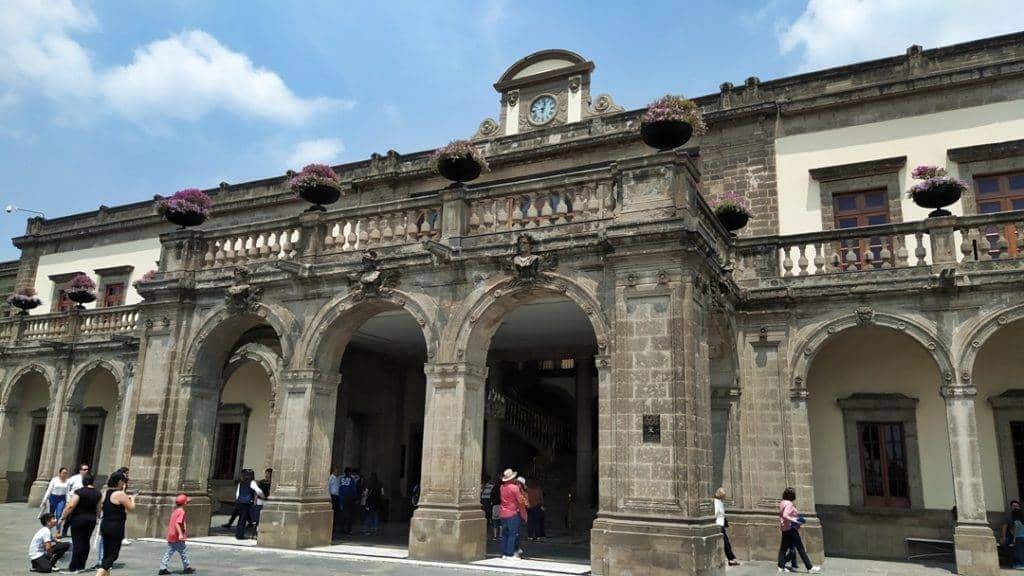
column 871, row 366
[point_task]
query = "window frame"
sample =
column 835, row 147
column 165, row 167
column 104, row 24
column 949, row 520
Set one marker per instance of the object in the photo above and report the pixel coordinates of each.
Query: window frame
column 1008, row 408
column 1005, row 196
column 886, row 500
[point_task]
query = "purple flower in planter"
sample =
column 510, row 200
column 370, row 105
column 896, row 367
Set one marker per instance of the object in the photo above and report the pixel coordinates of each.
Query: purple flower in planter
column 314, row 175
column 671, row 107
column 927, row 172
column 458, row 149
column 26, row 299
column 148, row 276
column 933, row 178
column 187, row 201
column 730, row 202
column 81, row 283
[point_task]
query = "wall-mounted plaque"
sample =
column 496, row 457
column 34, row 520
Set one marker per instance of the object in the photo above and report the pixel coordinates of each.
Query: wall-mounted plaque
column 652, row 428
column 144, row 439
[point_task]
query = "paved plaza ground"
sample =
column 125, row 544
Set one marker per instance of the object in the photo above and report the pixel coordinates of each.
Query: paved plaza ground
column 18, row 522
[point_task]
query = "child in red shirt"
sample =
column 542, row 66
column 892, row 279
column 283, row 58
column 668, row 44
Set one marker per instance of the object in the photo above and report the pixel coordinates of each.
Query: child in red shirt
column 176, row 536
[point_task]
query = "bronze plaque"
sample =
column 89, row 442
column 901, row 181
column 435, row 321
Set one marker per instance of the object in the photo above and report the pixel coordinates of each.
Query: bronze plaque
column 144, row 438
column 652, row 428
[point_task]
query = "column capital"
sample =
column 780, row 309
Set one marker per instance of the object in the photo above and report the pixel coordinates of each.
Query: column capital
column 448, row 374
column 297, row 381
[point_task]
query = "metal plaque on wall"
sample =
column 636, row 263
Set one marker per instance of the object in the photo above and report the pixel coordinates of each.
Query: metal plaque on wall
column 652, row 428
column 144, row 439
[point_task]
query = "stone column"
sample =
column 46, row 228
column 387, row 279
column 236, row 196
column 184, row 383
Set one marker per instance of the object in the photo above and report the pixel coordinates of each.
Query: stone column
column 656, row 515
column 299, row 513
column 51, row 439
column 7, row 419
column 449, row 524
column 973, row 539
column 584, row 442
column 492, row 453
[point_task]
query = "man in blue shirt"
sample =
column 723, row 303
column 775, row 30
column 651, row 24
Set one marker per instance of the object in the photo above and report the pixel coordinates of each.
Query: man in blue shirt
column 348, row 494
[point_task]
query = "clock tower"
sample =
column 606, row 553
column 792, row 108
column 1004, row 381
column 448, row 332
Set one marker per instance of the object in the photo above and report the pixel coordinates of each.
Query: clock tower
column 546, row 88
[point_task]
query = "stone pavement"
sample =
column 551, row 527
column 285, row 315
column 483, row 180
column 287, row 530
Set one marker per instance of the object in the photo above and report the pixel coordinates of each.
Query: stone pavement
column 17, row 523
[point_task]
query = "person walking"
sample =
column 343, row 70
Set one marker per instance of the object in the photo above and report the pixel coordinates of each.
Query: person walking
column 723, row 525
column 261, row 498
column 790, row 521
column 486, row 488
column 116, row 505
column 55, row 497
column 43, row 550
column 1007, row 536
column 348, row 496
column 333, row 484
column 177, row 534
column 246, row 494
column 80, row 518
column 374, row 494
column 512, row 510
column 535, row 513
column 74, row 483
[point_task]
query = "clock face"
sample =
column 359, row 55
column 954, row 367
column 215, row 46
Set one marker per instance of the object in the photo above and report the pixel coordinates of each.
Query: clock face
column 542, row 110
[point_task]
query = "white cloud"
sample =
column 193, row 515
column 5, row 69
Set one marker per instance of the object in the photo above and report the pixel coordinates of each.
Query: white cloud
column 835, row 32
column 316, row 151
column 183, row 77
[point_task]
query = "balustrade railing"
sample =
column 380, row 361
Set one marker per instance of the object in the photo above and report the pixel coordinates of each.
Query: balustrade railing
column 920, row 244
column 275, row 243
column 359, row 232
column 527, row 210
column 66, row 326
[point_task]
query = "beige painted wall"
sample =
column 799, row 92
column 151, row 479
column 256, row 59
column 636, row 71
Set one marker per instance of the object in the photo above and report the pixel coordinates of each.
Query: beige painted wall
column 33, row 395
column 250, row 385
column 101, row 392
column 998, row 367
column 876, row 360
column 141, row 254
column 922, row 139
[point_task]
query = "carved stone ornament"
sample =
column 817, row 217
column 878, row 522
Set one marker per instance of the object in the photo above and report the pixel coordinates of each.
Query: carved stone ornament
column 865, row 315
column 574, row 84
column 372, row 282
column 605, row 105
column 527, row 267
column 242, row 295
column 487, row 129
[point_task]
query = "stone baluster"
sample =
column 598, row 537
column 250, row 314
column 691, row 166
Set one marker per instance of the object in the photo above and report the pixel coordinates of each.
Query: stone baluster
column 802, row 259
column 787, row 261
column 350, row 235
column 920, row 252
column 488, row 216
column 502, row 222
column 819, row 258
column 253, row 251
column 531, row 212
column 411, row 227
column 851, row 258
column 362, row 234
column 287, row 249
column 546, row 212
column 885, row 255
column 901, row 252
column 387, row 235
column 564, row 214
column 1001, row 244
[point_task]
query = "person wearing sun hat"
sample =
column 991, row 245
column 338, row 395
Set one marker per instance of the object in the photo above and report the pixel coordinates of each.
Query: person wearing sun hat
column 513, row 508
column 177, row 534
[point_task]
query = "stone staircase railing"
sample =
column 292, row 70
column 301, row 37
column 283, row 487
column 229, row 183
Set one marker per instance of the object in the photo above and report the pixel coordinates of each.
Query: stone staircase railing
column 544, row 431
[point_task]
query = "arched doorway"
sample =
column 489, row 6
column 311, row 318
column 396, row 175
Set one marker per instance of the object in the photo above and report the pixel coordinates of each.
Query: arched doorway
column 997, row 372
column 23, row 429
column 541, row 420
column 376, row 350
column 90, row 426
column 879, row 443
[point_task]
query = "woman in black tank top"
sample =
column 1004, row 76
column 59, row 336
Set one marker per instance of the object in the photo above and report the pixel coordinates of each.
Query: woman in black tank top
column 80, row 517
column 116, row 506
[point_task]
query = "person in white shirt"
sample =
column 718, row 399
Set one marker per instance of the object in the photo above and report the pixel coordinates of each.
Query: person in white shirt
column 246, row 494
column 44, row 551
column 56, row 495
column 333, row 490
column 74, row 483
column 723, row 524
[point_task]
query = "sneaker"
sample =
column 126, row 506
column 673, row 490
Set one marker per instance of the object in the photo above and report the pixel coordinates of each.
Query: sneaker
column 815, row 570
column 163, row 571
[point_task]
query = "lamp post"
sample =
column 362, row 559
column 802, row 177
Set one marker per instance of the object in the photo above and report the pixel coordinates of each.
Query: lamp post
column 11, row 208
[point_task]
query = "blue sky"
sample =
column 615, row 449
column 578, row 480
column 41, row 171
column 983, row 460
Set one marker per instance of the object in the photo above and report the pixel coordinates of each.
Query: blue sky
column 107, row 102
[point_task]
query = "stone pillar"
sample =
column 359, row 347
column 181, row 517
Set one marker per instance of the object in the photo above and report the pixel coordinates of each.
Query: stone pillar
column 51, row 439
column 449, row 524
column 584, row 442
column 299, row 513
column 7, row 419
column 973, row 539
column 492, row 452
column 656, row 516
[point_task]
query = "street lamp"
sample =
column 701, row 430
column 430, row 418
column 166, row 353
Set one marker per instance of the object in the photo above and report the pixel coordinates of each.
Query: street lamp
column 11, row 208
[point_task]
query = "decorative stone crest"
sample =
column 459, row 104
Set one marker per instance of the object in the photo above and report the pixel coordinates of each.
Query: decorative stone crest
column 865, row 315
column 372, row 282
column 242, row 295
column 487, row 129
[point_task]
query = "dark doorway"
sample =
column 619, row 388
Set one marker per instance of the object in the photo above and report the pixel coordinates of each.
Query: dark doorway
column 88, row 440
column 35, row 452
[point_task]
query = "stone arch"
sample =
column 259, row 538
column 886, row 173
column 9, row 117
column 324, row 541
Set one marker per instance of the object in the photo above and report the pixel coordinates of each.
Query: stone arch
column 331, row 328
column 975, row 337
column 226, row 320
column 76, row 383
column 812, row 339
column 262, row 355
column 485, row 308
column 12, row 382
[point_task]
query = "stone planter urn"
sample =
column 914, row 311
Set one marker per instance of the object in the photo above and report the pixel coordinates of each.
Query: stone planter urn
column 666, row 134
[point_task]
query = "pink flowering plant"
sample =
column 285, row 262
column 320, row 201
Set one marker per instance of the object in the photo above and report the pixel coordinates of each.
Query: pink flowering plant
column 148, row 276
column 934, row 179
column 314, row 176
column 675, row 108
column 730, row 203
column 81, row 284
column 26, row 299
column 187, row 201
column 458, row 149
